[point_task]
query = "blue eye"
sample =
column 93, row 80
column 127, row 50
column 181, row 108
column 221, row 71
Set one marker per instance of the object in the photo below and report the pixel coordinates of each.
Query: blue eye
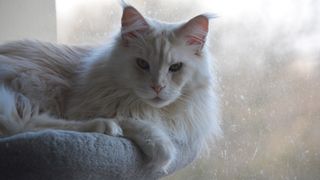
column 175, row 67
column 142, row 64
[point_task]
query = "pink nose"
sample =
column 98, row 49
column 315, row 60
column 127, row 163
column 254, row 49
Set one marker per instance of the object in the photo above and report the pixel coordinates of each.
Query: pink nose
column 157, row 88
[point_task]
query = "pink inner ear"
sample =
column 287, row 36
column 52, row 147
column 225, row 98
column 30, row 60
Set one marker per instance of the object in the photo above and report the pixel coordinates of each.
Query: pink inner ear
column 196, row 30
column 132, row 21
column 203, row 22
column 195, row 40
column 133, row 25
column 129, row 15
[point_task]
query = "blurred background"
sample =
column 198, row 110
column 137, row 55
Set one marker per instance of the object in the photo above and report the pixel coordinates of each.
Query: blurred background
column 268, row 63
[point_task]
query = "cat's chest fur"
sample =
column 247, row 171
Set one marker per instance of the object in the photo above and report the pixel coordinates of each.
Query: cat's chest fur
column 112, row 102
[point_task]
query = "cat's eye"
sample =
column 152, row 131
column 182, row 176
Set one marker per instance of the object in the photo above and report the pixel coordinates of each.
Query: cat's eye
column 142, row 64
column 175, row 67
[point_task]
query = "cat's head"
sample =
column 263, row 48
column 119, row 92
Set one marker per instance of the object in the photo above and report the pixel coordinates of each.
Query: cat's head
column 163, row 62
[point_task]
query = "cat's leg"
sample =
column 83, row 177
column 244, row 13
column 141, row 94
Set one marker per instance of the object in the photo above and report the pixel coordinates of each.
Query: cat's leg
column 153, row 141
column 18, row 114
column 100, row 125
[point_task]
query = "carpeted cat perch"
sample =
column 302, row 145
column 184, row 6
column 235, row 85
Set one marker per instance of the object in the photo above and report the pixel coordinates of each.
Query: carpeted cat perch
column 66, row 155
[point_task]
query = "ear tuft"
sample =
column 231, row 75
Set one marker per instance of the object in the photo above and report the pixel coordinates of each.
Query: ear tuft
column 123, row 3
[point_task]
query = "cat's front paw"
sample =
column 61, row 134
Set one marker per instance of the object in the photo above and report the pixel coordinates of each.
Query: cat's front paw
column 153, row 141
column 106, row 126
column 161, row 154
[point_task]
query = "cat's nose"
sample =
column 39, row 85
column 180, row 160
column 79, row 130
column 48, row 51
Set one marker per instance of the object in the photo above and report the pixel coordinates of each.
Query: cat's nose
column 157, row 88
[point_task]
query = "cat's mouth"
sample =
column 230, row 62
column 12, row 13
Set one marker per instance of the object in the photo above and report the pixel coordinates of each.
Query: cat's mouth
column 156, row 102
column 157, row 99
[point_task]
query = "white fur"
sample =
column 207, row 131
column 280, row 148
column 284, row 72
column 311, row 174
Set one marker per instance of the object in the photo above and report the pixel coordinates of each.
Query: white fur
column 8, row 112
column 105, row 85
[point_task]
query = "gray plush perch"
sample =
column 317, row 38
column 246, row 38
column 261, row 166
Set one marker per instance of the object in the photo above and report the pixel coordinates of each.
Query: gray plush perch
column 66, row 155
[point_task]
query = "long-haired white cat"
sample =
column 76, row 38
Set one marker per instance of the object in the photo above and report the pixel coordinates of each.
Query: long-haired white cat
column 153, row 84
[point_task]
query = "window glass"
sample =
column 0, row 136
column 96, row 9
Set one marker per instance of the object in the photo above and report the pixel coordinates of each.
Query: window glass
column 267, row 55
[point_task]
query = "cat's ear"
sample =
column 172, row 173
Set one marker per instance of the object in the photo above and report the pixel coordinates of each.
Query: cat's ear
column 133, row 24
column 194, row 32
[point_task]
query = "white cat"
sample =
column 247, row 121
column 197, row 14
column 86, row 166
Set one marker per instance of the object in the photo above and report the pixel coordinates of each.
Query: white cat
column 153, row 84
